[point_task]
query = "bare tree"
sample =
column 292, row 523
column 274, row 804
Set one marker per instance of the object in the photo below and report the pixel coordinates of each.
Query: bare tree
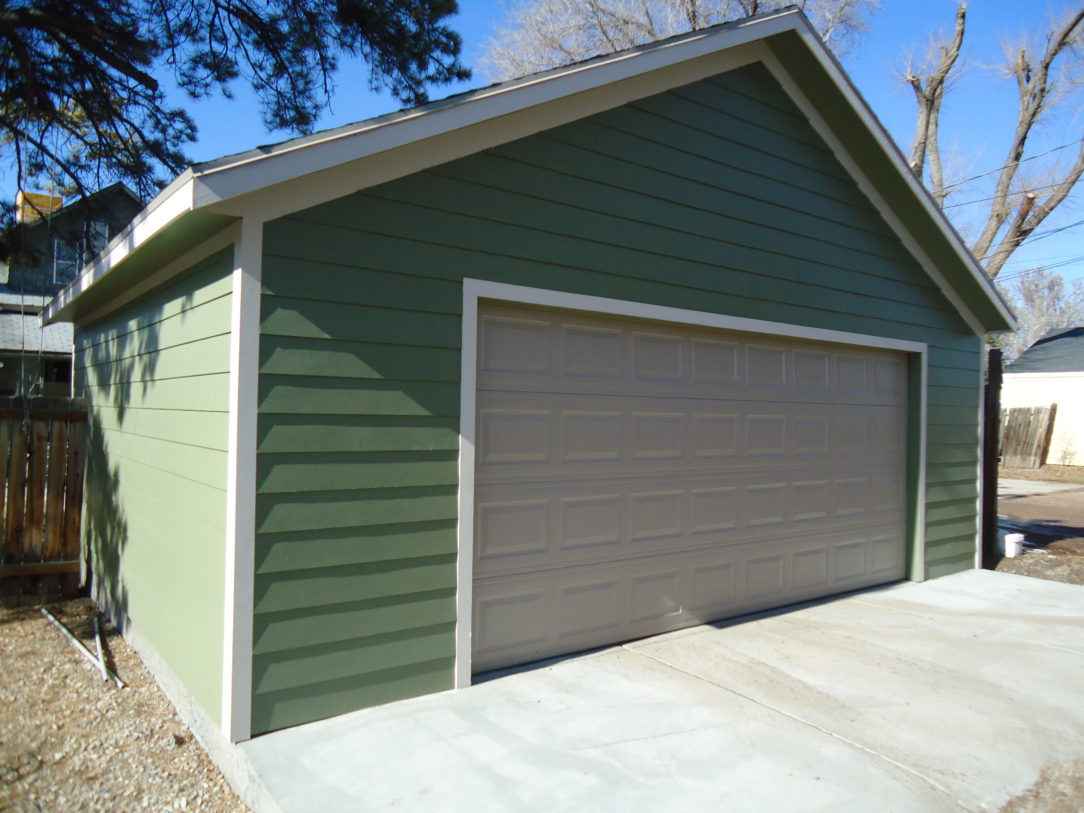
column 541, row 34
column 1044, row 77
column 929, row 89
column 1042, row 302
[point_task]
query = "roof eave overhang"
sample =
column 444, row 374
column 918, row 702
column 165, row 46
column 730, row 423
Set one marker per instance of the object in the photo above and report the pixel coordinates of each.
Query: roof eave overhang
column 820, row 76
column 209, row 197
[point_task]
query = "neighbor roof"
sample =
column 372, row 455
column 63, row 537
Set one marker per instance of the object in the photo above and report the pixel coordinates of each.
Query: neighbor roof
column 23, row 333
column 91, row 200
column 209, row 196
column 1059, row 351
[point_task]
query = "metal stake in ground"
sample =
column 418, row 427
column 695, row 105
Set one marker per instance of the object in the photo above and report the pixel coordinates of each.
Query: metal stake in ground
column 86, row 653
column 98, row 645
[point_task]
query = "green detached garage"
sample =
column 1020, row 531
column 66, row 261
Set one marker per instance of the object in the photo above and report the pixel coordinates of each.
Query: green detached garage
column 666, row 336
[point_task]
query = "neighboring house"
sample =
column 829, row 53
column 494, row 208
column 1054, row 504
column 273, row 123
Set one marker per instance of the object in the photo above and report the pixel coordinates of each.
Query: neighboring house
column 662, row 337
column 34, row 359
column 56, row 241
column 1051, row 371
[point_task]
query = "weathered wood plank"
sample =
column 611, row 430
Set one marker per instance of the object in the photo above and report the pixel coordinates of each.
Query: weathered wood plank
column 34, row 526
column 39, row 569
column 54, row 490
column 6, row 427
column 16, row 495
column 1025, row 436
column 73, row 493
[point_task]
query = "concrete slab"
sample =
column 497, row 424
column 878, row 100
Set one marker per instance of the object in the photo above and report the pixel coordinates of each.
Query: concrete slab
column 1029, row 488
column 947, row 695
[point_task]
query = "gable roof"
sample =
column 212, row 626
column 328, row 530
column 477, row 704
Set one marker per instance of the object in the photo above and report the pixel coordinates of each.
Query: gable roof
column 1059, row 351
column 274, row 180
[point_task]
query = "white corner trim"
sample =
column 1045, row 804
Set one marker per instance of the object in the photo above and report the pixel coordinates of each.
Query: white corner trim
column 860, row 107
column 464, row 594
column 984, row 361
column 241, row 484
column 918, row 560
column 843, row 156
column 475, row 290
column 172, row 202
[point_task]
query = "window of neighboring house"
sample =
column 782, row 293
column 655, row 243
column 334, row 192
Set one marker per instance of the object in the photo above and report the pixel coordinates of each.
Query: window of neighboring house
column 58, row 372
column 71, row 255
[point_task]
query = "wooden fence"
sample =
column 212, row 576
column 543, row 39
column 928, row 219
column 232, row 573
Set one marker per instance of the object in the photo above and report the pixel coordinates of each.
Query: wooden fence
column 1025, row 436
column 42, row 456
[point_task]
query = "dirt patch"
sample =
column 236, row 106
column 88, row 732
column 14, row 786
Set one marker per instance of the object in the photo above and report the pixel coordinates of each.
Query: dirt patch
column 1061, row 474
column 1053, row 525
column 1044, row 564
column 68, row 741
column 1059, row 789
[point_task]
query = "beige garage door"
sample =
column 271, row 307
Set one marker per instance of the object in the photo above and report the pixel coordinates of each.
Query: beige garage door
column 634, row 477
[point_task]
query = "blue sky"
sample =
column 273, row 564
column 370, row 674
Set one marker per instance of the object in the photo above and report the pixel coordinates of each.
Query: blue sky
column 976, row 123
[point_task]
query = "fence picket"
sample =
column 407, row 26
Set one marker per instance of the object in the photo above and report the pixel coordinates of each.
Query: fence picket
column 41, row 484
column 54, row 490
column 5, row 447
column 73, row 496
column 16, row 494
column 34, row 524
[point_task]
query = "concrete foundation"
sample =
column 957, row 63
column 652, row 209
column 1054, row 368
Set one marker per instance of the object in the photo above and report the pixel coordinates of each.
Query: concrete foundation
column 947, row 695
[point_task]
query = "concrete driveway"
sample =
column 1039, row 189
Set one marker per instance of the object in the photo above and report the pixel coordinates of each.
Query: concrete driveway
column 948, row 695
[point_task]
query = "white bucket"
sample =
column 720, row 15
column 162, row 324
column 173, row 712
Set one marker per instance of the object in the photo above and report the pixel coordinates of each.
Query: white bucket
column 1012, row 545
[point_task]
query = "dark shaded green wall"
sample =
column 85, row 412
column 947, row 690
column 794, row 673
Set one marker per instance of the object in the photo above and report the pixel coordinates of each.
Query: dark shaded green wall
column 716, row 197
column 155, row 375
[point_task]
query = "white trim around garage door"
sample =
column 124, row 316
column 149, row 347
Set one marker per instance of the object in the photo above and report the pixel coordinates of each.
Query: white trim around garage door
column 475, row 290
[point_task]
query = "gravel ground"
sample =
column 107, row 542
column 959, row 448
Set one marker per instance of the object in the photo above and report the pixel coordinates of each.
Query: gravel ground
column 1060, row 789
column 68, row 741
column 1060, row 474
column 1060, row 561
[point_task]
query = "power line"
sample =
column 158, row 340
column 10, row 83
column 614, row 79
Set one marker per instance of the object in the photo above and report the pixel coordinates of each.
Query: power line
column 1014, row 163
column 1039, row 235
column 1015, row 264
column 1009, row 195
column 1041, row 267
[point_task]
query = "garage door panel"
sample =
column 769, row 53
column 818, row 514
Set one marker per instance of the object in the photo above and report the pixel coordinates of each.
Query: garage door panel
column 530, row 616
column 621, row 357
column 591, row 521
column 560, row 435
column 521, row 526
column 634, row 477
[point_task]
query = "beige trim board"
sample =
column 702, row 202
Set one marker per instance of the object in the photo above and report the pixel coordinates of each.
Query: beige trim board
column 475, row 290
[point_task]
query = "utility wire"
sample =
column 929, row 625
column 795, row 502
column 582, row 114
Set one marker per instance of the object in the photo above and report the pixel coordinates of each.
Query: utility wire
column 1039, row 235
column 1041, row 267
column 1014, row 163
column 1036, row 260
column 1008, row 195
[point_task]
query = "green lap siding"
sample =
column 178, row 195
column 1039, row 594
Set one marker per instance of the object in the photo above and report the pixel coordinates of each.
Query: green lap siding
column 716, row 197
column 155, row 374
